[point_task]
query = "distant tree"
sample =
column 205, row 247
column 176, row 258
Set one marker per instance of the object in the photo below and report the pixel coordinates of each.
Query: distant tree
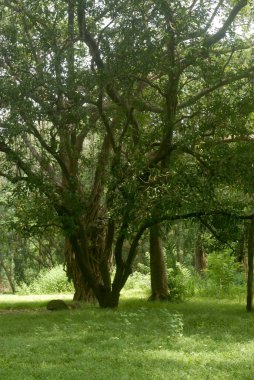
column 27, row 244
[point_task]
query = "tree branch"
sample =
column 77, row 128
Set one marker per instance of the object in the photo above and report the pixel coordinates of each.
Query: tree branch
column 150, row 223
column 213, row 39
column 208, row 90
column 44, row 165
column 107, row 125
column 50, row 150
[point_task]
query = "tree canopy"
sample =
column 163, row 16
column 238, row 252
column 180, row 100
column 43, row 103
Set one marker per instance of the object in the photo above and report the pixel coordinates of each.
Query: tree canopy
column 124, row 114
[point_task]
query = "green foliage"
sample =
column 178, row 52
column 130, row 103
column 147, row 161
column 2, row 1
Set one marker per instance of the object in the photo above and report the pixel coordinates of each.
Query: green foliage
column 180, row 282
column 222, row 269
column 51, row 281
column 224, row 277
column 28, row 242
column 143, row 266
column 137, row 281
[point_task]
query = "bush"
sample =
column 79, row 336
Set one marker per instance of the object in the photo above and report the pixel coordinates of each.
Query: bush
column 48, row 282
column 223, row 276
column 142, row 268
column 138, row 280
column 222, row 269
column 180, row 282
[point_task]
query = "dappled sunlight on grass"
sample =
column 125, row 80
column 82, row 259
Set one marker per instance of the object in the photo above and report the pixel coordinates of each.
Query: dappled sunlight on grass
column 10, row 301
column 134, row 294
column 233, row 362
column 199, row 339
column 33, row 297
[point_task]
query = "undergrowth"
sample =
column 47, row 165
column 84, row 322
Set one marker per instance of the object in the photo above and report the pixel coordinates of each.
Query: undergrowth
column 48, row 282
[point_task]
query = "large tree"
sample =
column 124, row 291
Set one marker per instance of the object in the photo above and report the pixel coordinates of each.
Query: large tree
column 108, row 108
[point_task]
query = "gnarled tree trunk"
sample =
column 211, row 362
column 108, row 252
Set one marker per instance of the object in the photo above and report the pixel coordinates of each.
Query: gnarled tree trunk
column 98, row 261
column 83, row 291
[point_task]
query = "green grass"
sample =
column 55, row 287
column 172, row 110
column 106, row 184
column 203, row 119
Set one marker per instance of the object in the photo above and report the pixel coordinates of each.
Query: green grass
column 11, row 302
column 198, row 339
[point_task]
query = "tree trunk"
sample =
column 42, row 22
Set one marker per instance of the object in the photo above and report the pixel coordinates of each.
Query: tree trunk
column 179, row 254
column 249, row 306
column 240, row 250
column 102, row 290
column 88, row 260
column 83, row 291
column 107, row 298
column 241, row 254
column 200, row 260
column 159, row 281
column 9, row 275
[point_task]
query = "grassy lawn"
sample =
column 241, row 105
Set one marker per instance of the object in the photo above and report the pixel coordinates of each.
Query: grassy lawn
column 199, row 339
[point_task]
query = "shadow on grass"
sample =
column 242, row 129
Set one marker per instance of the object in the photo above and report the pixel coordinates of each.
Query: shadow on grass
column 100, row 346
column 140, row 340
column 30, row 302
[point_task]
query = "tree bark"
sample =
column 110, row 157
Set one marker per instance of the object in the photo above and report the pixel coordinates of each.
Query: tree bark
column 9, row 275
column 95, row 261
column 91, row 274
column 249, row 306
column 107, row 298
column 83, row 291
column 200, row 260
column 241, row 252
column 159, row 281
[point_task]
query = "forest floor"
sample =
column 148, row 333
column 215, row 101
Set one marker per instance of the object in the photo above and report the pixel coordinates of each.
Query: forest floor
column 198, row 339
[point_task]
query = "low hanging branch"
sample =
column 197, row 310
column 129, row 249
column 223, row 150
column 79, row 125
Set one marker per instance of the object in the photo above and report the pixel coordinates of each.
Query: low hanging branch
column 215, row 234
column 133, row 248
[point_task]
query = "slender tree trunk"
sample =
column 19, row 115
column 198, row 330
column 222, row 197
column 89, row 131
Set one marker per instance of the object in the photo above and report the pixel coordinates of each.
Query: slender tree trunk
column 159, row 281
column 240, row 250
column 179, row 255
column 241, row 254
column 249, row 306
column 9, row 275
column 200, row 260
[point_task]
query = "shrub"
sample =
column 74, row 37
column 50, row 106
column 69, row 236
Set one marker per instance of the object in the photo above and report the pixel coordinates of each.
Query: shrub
column 48, row 282
column 223, row 276
column 222, row 269
column 143, row 266
column 138, row 280
column 180, row 282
